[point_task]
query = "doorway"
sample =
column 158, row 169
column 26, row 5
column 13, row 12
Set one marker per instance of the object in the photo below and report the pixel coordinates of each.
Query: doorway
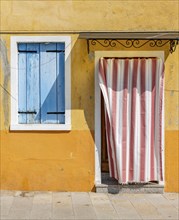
column 101, row 161
column 104, row 153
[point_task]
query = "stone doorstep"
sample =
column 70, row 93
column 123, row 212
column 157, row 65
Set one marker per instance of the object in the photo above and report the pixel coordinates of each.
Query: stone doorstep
column 101, row 188
column 114, row 189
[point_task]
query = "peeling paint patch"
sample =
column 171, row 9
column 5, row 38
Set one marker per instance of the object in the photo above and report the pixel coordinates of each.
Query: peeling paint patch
column 6, row 72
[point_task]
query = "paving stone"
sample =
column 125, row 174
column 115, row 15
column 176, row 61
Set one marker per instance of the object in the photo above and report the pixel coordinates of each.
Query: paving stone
column 82, row 206
column 173, row 198
column 21, row 208
column 62, row 206
column 42, row 206
column 18, row 214
column 62, row 197
column 168, row 213
column 85, row 211
column 79, row 198
column 145, row 208
column 41, row 211
column 63, row 212
column 5, row 204
column 117, row 196
column 106, row 212
column 103, row 207
column 20, row 203
column 166, row 210
column 6, row 193
column 3, row 217
column 99, row 198
column 124, row 208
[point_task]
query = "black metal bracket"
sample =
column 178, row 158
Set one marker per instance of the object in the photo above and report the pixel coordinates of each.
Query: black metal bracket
column 133, row 43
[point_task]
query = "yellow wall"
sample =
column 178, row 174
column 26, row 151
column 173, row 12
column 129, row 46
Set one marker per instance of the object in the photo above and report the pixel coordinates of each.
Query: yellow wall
column 172, row 122
column 84, row 15
column 51, row 160
column 65, row 160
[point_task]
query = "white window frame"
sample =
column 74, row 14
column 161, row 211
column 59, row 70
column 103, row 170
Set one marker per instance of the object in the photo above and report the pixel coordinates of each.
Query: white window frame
column 97, row 135
column 15, row 125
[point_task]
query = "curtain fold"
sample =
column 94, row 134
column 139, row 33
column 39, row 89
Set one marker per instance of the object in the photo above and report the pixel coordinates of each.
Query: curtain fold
column 133, row 95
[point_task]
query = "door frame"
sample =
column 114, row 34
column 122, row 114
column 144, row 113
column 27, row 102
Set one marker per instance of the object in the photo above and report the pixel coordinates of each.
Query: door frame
column 97, row 135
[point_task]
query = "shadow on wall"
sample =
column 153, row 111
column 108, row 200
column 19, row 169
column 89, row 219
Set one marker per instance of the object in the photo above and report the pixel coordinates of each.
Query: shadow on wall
column 6, row 95
column 82, row 80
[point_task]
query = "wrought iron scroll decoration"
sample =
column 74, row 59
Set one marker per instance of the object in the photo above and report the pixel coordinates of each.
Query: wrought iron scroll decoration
column 134, row 43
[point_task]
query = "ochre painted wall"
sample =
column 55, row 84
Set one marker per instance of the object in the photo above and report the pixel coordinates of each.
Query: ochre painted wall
column 84, row 15
column 65, row 160
column 172, row 122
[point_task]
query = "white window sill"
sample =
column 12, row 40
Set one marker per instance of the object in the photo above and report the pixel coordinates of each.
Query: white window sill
column 40, row 127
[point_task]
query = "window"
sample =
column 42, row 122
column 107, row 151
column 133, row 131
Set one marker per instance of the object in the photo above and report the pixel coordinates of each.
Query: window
column 40, row 83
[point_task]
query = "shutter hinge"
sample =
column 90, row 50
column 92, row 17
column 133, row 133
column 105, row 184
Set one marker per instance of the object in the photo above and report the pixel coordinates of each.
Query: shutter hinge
column 55, row 51
column 50, row 113
column 28, row 51
column 27, row 112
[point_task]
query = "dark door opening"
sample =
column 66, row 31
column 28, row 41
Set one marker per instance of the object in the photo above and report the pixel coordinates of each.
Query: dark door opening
column 104, row 153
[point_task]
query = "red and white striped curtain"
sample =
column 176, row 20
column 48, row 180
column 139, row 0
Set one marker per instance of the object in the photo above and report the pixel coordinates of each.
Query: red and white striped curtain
column 133, row 97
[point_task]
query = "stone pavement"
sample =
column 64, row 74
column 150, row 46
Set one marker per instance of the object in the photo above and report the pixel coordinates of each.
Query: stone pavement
column 82, row 205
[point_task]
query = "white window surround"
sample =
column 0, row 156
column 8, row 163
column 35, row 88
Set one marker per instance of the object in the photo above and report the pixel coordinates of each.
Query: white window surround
column 14, row 125
column 98, row 55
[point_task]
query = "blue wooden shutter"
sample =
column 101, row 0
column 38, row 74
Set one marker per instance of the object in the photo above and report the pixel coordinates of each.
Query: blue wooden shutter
column 41, row 83
column 52, row 83
column 28, row 87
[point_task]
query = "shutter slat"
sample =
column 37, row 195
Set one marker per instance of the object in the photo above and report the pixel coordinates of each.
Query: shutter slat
column 33, row 83
column 61, row 83
column 22, row 107
column 48, row 83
